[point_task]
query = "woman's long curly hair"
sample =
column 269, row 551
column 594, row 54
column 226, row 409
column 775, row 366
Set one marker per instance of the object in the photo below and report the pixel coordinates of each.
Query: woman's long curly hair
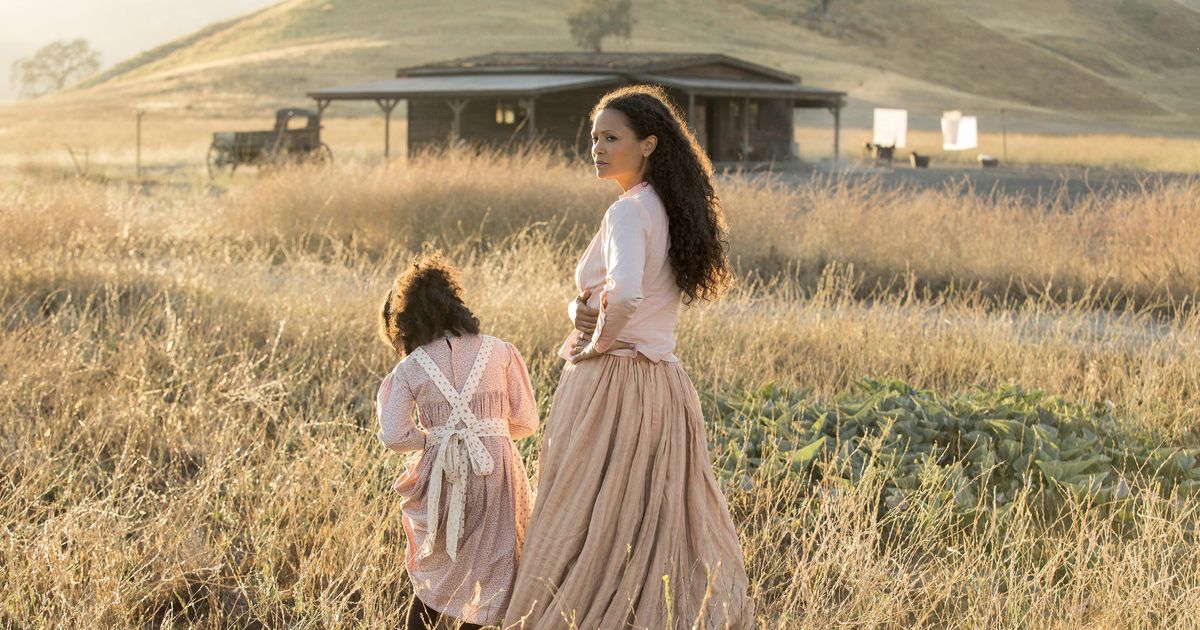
column 681, row 174
column 424, row 304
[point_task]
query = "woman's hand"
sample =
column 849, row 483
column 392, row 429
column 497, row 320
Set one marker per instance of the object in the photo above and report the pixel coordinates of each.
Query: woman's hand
column 582, row 315
column 584, row 349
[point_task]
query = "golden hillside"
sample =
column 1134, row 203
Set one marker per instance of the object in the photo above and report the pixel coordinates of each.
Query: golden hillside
column 1107, row 63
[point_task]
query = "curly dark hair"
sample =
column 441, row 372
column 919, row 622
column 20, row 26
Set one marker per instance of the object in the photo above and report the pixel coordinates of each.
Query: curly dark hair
column 681, row 173
column 425, row 303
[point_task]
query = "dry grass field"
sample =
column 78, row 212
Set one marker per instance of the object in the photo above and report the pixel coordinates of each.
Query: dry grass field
column 187, row 376
column 173, row 147
column 928, row 408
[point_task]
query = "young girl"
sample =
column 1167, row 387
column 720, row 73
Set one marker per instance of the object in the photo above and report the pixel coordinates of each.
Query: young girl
column 466, row 500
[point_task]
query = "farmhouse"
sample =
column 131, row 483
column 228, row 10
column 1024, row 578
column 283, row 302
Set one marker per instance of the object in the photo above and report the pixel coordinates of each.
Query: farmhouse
column 739, row 111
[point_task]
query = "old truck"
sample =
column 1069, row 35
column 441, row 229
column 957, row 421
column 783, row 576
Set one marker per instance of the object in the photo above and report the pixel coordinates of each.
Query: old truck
column 295, row 139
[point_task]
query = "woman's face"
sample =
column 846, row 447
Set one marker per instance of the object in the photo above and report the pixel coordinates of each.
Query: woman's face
column 616, row 150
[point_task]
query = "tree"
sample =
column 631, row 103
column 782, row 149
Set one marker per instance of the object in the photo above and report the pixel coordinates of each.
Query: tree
column 54, row 66
column 591, row 21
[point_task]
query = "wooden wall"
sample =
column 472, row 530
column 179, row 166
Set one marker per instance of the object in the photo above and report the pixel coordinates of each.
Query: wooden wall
column 562, row 120
column 719, row 121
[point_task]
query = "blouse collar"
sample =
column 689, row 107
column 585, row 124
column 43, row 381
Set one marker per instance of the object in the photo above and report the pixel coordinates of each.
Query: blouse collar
column 635, row 190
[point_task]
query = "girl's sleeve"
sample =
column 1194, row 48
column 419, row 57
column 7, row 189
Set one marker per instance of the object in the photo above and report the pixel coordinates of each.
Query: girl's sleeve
column 394, row 406
column 624, row 240
column 523, row 413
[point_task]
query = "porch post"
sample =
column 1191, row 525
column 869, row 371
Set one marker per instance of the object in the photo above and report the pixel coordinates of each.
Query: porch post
column 457, row 106
column 793, row 146
column 837, row 133
column 530, row 107
column 387, row 105
column 745, row 128
column 691, row 116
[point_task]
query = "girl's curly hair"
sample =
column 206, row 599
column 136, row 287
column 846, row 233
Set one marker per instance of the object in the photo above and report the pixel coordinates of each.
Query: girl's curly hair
column 425, row 303
column 681, row 173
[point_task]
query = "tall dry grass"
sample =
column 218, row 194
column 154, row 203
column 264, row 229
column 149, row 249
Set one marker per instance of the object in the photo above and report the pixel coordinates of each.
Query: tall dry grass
column 1129, row 249
column 186, row 387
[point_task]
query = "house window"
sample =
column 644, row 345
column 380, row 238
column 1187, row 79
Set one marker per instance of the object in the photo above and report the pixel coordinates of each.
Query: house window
column 755, row 120
column 506, row 113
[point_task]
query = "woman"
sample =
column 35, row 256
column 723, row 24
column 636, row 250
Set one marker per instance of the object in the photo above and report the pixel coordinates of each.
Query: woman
column 629, row 527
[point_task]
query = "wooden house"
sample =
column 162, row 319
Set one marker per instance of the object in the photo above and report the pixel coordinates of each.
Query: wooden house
column 739, row 111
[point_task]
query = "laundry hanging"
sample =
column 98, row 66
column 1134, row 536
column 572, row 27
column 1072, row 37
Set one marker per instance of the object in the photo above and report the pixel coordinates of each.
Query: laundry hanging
column 891, row 127
column 959, row 132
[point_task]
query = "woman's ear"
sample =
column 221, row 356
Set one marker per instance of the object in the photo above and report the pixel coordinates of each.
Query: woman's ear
column 648, row 145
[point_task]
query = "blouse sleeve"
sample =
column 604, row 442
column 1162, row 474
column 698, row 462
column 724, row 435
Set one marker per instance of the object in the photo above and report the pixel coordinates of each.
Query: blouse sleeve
column 394, row 406
column 624, row 241
column 523, row 414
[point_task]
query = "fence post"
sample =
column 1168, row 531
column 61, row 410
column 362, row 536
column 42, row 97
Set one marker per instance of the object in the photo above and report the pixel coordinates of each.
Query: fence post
column 140, row 113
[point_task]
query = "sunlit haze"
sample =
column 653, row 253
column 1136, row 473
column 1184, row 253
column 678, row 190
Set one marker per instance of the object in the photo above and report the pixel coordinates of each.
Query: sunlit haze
column 119, row 29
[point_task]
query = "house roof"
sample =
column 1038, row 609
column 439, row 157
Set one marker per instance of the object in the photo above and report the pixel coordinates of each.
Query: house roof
column 533, row 74
column 515, row 85
column 735, row 87
column 580, row 62
column 464, row 85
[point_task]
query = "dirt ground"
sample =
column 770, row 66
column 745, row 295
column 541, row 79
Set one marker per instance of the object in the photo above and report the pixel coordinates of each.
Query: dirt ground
column 1044, row 184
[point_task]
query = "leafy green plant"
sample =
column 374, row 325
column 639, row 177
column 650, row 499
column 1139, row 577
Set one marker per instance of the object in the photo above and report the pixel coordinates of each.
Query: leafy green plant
column 985, row 446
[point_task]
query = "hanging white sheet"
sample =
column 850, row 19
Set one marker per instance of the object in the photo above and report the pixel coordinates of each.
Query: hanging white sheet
column 891, row 127
column 959, row 132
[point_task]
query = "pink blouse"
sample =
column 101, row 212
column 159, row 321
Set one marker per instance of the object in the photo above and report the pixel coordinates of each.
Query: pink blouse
column 631, row 279
column 475, row 585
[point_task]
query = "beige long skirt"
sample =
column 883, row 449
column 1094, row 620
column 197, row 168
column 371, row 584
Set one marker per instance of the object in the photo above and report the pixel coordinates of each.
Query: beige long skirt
column 629, row 528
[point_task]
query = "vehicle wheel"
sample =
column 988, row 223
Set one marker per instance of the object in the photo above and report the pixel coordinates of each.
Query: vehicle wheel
column 323, row 155
column 219, row 162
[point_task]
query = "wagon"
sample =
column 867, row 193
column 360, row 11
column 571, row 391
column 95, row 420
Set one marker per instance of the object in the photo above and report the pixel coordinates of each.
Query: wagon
column 295, row 139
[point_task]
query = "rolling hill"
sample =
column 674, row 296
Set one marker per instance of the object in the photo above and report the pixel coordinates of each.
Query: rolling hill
column 1111, row 64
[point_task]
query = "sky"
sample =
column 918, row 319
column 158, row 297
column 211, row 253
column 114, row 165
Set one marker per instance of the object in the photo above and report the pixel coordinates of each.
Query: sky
column 119, row 29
